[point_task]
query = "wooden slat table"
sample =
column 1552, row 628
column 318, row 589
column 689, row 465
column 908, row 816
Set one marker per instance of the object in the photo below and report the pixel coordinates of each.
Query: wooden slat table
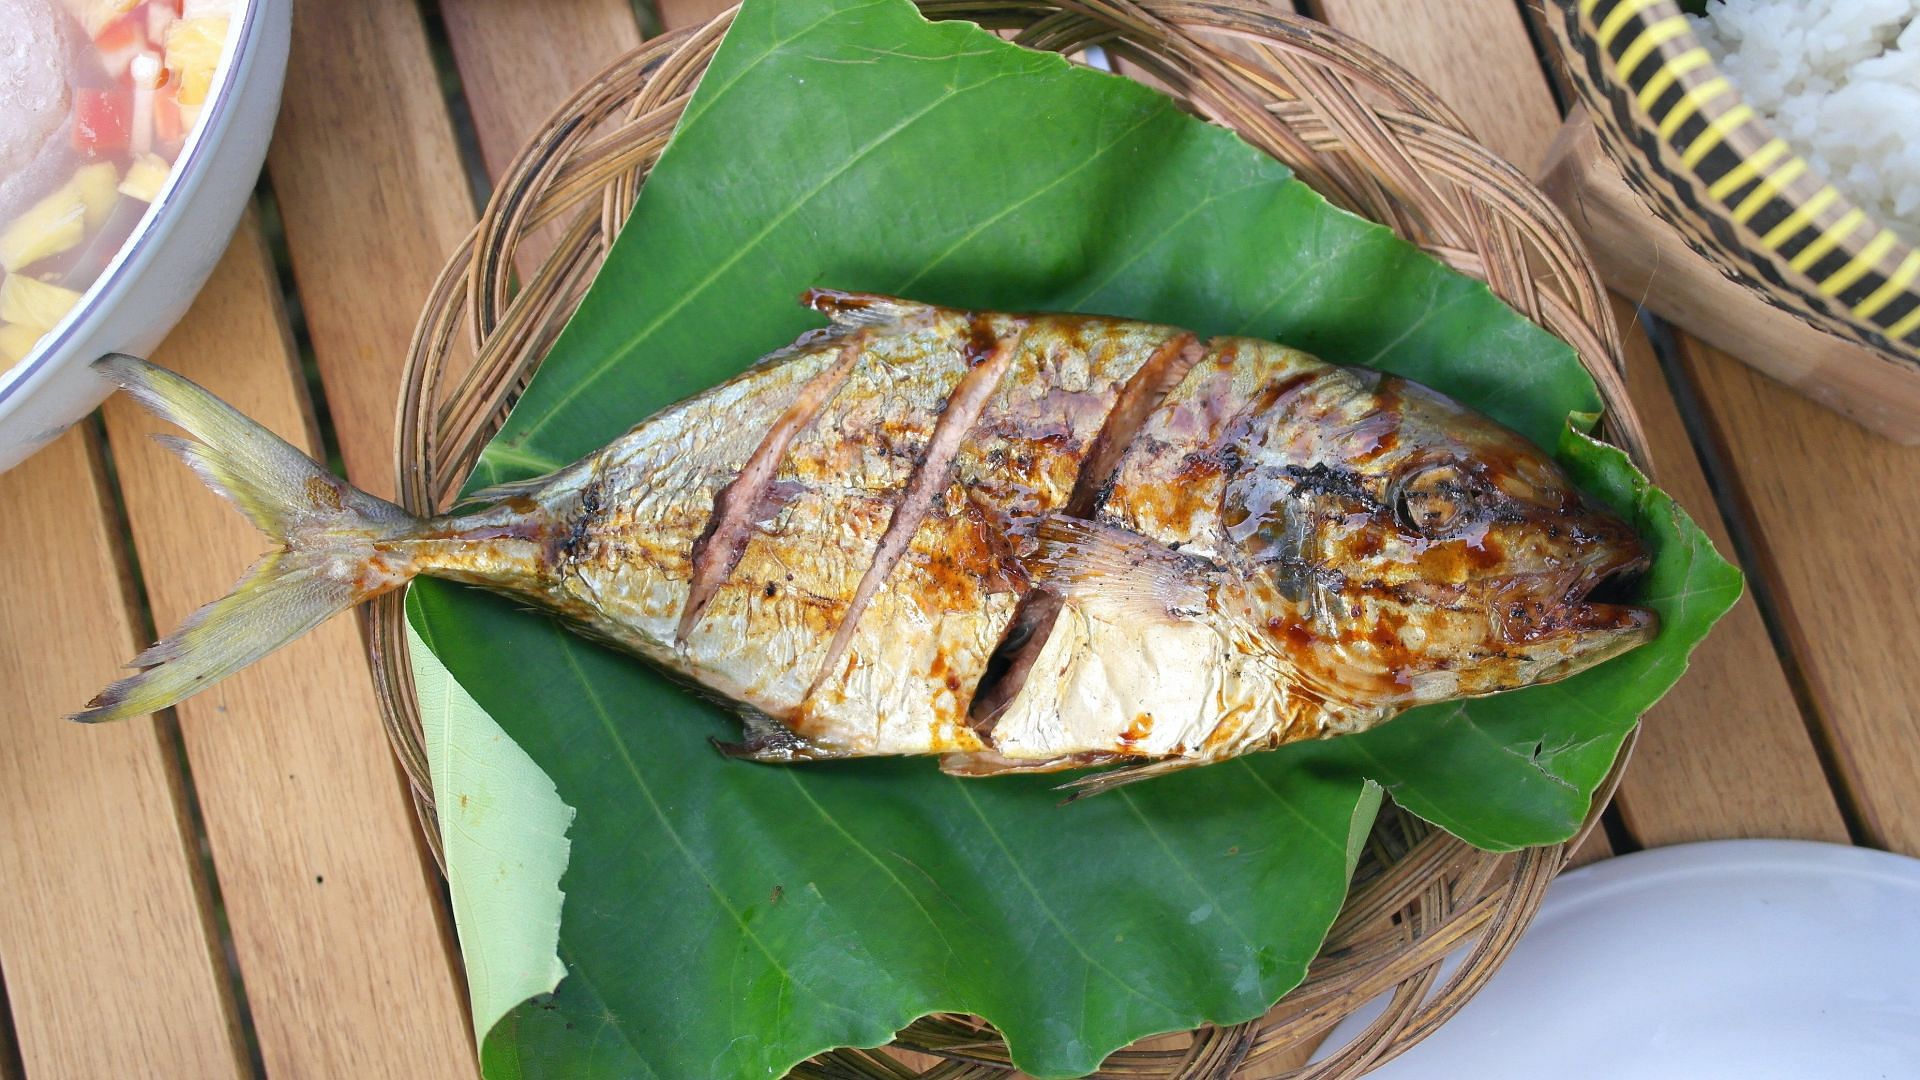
column 237, row 887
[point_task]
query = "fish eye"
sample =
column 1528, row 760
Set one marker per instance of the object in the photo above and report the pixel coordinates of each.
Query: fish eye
column 1432, row 500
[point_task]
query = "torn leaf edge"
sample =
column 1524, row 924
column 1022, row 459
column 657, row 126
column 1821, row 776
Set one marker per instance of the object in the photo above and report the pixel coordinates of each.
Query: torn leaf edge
column 512, row 958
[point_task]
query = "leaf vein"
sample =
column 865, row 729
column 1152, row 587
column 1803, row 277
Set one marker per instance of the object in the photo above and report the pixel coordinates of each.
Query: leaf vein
column 679, row 843
column 1066, row 935
column 587, row 379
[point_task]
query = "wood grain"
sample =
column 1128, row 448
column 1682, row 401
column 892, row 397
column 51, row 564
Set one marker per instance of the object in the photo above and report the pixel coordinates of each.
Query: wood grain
column 1726, row 753
column 1474, row 54
column 106, row 937
column 1840, row 555
column 678, row 14
column 333, row 909
column 519, row 61
column 373, row 198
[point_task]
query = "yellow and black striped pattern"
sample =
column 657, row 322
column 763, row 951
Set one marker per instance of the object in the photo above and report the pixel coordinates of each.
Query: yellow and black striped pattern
column 1738, row 193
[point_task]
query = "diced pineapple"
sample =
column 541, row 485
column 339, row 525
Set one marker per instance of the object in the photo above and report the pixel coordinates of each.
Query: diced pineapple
column 61, row 220
column 37, row 304
column 144, row 177
column 16, row 342
column 193, row 51
column 49, row 227
column 96, row 185
column 200, row 9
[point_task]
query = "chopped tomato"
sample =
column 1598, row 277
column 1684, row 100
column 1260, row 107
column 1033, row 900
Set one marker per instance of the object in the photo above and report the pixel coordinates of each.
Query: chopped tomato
column 101, row 121
column 168, row 129
column 121, row 40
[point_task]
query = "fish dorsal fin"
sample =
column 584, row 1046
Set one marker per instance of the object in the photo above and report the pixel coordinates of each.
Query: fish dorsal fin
column 1094, row 564
column 855, row 309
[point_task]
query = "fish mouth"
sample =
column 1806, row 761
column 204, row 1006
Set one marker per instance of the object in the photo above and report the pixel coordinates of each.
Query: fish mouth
column 1577, row 610
column 1600, row 600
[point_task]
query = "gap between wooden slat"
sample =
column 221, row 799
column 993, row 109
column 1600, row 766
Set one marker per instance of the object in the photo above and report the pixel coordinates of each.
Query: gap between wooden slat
column 273, row 233
column 1545, row 54
column 11, row 1067
column 646, row 18
column 517, row 62
column 1613, row 834
column 1728, row 753
column 453, row 92
column 508, row 65
column 201, row 852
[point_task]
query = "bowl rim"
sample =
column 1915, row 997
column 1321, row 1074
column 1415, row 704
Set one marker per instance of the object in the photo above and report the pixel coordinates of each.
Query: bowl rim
column 131, row 260
column 1786, row 229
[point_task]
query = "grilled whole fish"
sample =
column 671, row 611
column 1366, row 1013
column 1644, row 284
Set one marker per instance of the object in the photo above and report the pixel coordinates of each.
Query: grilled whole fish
column 1021, row 542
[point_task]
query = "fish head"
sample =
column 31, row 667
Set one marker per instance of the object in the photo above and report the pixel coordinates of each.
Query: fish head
column 1400, row 548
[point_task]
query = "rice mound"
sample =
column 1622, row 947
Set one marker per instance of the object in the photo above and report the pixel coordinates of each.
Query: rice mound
column 1840, row 81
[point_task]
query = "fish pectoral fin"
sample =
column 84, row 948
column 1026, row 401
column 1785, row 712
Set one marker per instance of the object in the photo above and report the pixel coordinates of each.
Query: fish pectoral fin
column 494, row 493
column 769, row 742
column 1102, row 782
column 1094, row 564
column 853, row 309
column 992, row 763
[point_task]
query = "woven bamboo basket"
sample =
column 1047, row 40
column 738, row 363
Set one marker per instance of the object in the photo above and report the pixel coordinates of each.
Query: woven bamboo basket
column 1698, row 153
column 1719, row 179
column 1352, row 124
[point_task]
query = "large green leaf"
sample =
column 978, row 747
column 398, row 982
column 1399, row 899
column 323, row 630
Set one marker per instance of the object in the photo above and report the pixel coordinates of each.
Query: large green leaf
column 723, row 919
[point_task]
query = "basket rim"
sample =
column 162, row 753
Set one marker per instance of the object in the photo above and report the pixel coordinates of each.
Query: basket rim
column 1466, row 898
column 1691, row 124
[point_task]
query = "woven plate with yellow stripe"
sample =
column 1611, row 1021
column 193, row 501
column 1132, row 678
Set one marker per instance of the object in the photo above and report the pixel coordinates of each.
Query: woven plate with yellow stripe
column 1737, row 193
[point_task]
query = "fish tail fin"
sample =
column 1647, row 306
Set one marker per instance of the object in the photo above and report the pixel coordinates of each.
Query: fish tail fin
column 332, row 554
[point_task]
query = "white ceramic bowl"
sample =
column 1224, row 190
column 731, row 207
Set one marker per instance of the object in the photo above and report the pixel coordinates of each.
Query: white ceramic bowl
column 150, row 282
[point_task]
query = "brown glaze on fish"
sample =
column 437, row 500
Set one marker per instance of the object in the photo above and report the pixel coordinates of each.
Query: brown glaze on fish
column 1021, row 542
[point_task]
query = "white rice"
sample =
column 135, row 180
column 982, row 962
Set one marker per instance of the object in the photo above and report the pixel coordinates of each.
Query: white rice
column 1840, row 81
